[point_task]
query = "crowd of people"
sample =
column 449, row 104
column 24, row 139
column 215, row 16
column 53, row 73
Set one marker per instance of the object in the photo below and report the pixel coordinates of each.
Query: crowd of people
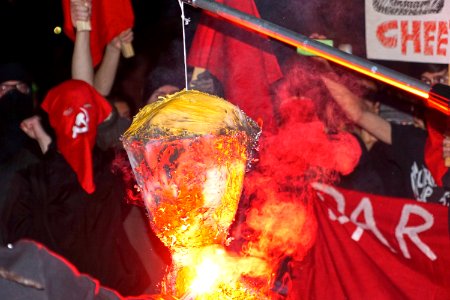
column 59, row 187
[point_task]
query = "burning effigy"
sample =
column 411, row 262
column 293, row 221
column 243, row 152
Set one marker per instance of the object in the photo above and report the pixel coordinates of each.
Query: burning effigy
column 189, row 152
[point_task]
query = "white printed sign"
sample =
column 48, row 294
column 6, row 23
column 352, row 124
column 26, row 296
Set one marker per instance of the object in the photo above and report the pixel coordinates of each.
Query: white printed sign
column 410, row 30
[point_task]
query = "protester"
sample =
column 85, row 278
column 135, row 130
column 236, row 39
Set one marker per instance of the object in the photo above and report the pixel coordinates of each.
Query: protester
column 408, row 146
column 122, row 105
column 30, row 271
column 17, row 150
column 135, row 223
column 71, row 202
column 162, row 91
column 103, row 78
column 165, row 79
column 432, row 73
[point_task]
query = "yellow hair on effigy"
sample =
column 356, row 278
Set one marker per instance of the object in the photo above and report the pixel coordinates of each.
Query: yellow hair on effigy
column 188, row 112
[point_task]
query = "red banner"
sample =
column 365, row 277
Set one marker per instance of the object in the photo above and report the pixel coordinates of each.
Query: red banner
column 374, row 247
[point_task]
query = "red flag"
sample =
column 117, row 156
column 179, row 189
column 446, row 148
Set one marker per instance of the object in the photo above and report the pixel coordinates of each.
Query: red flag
column 108, row 20
column 375, row 247
column 241, row 60
column 437, row 126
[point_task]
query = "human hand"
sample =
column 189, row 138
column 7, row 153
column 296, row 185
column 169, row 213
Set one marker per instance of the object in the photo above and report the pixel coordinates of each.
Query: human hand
column 80, row 10
column 125, row 37
column 351, row 104
column 446, row 148
column 317, row 36
column 33, row 128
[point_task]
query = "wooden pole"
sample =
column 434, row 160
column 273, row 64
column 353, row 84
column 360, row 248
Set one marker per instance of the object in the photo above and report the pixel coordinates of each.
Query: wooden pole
column 127, row 50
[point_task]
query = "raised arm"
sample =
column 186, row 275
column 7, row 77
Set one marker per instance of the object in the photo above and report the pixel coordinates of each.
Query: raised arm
column 356, row 110
column 82, row 68
column 106, row 73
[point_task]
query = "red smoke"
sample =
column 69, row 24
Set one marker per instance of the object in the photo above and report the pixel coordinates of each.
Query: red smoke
column 276, row 218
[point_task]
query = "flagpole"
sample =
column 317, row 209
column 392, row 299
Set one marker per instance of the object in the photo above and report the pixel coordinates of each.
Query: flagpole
column 437, row 98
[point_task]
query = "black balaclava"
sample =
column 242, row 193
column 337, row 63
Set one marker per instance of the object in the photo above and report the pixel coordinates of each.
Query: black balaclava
column 14, row 108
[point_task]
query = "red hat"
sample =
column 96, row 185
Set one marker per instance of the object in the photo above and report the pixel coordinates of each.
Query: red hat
column 75, row 109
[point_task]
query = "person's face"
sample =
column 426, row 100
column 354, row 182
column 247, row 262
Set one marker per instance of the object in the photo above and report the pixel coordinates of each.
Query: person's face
column 10, row 85
column 123, row 109
column 162, row 91
column 435, row 77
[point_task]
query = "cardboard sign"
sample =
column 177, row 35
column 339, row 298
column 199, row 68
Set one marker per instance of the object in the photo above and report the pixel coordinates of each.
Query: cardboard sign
column 411, row 30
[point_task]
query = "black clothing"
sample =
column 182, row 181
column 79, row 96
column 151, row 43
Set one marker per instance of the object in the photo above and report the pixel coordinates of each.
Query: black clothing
column 30, row 271
column 14, row 108
column 408, row 144
column 397, row 170
column 364, row 177
column 376, row 172
column 110, row 130
column 384, row 163
column 17, row 150
column 27, row 155
column 47, row 204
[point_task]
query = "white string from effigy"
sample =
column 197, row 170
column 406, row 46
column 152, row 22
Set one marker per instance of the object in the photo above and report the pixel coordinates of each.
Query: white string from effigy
column 184, row 21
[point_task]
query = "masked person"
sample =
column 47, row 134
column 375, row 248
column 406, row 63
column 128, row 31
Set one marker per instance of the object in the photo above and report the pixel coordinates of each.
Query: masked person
column 71, row 201
column 16, row 104
column 17, row 150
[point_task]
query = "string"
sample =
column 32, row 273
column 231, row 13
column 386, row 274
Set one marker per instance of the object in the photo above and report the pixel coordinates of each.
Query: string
column 184, row 22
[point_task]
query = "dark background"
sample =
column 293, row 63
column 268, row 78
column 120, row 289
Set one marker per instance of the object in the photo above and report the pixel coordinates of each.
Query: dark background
column 27, row 36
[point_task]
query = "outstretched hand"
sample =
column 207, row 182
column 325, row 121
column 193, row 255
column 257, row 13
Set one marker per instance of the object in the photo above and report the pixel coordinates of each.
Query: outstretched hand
column 125, row 37
column 80, row 10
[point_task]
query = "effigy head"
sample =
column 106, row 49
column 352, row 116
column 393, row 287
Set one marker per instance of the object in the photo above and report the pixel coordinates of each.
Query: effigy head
column 189, row 152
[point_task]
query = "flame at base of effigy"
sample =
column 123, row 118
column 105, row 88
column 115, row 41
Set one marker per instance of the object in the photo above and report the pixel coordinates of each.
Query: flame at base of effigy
column 213, row 273
column 189, row 153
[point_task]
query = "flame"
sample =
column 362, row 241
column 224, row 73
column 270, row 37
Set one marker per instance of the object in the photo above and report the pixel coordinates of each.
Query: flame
column 207, row 276
column 193, row 188
column 213, row 273
column 189, row 153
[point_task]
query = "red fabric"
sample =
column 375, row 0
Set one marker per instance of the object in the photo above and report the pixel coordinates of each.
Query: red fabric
column 75, row 109
column 434, row 160
column 340, row 267
column 108, row 20
column 241, row 60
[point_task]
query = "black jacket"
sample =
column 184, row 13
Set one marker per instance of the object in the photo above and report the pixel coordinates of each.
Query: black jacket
column 47, row 204
column 30, row 271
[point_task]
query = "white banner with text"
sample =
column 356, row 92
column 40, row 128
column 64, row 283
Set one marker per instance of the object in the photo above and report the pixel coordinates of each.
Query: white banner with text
column 411, row 30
